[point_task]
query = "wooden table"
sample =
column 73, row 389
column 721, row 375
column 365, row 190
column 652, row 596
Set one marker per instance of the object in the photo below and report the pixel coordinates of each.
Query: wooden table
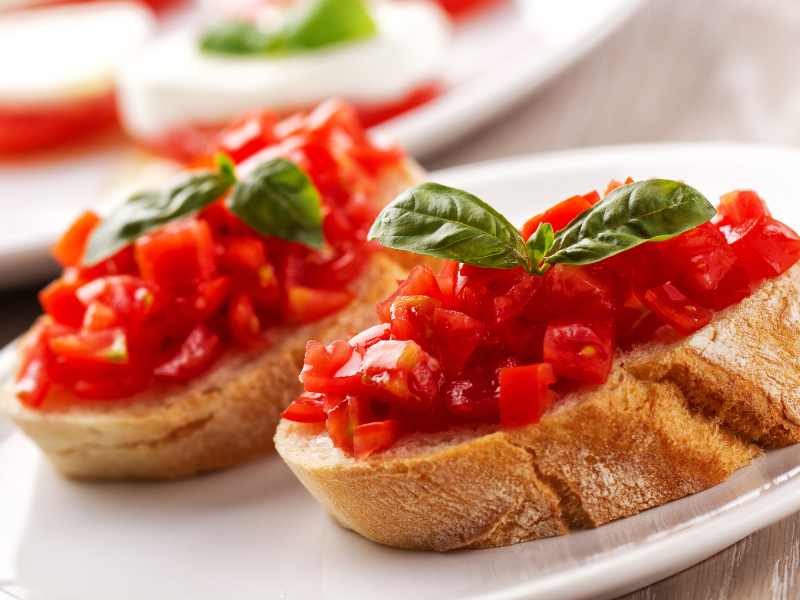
column 680, row 70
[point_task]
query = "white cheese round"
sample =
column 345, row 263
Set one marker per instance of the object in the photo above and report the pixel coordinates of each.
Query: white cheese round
column 173, row 83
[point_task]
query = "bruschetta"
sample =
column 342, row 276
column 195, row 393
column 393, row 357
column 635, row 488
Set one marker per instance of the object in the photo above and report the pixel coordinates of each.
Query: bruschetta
column 170, row 344
column 621, row 352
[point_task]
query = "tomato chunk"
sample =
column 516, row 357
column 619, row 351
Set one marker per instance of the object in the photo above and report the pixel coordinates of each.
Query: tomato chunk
column 195, row 356
column 672, row 305
column 739, row 207
column 306, row 408
column 765, row 247
column 698, row 259
column 412, row 318
column 60, row 301
column 525, row 393
column 560, row 215
column 108, row 346
column 307, row 304
column 69, row 249
column 420, row 282
column 403, row 370
column 178, row 256
column 580, row 350
column 370, row 438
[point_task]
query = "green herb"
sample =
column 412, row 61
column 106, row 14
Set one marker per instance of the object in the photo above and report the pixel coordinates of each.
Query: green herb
column 539, row 243
column 144, row 211
column 279, row 199
column 324, row 23
column 439, row 221
column 644, row 211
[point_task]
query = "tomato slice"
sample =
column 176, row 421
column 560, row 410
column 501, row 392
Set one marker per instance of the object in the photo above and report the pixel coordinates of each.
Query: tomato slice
column 177, row 256
column 104, row 347
column 25, row 129
column 198, row 352
column 580, row 350
column 525, row 393
column 560, row 215
column 69, row 249
column 672, row 305
column 60, row 300
column 420, row 282
column 306, row 408
column 370, row 438
column 308, row 304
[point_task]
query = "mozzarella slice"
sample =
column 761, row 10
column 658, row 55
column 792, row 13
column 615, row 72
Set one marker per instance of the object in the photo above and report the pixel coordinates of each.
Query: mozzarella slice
column 172, row 83
column 62, row 53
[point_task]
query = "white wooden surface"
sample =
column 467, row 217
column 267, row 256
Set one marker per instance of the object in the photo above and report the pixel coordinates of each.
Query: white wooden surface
column 680, row 70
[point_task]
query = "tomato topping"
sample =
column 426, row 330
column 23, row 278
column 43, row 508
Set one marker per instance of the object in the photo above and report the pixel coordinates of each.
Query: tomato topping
column 461, row 9
column 525, row 393
column 477, row 345
column 306, row 408
column 580, row 350
column 69, row 249
column 374, row 437
column 560, row 215
column 195, row 356
column 672, row 305
column 170, row 304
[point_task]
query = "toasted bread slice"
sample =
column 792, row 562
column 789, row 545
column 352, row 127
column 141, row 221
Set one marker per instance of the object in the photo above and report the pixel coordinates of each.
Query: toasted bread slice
column 670, row 421
column 225, row 417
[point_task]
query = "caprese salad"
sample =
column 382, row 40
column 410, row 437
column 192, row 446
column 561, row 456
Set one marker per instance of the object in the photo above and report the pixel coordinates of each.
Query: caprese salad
column 384, row 57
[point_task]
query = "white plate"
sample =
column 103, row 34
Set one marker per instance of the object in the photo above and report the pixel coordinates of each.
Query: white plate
column 495, row 60
column 253, row 532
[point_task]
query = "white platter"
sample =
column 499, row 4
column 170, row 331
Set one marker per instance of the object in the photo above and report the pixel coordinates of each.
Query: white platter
column 495, row 60
column 253, row 532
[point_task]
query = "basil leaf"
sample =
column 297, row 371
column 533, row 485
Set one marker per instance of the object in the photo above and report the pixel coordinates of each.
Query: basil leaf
column 644, row 211
column 144, row 211
column 279, row 199
column 324, row 23
column 539, row 243
column 445, row 222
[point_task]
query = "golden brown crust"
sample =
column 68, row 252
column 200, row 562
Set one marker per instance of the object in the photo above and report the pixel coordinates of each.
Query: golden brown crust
column 669, row 422
column 222, row 419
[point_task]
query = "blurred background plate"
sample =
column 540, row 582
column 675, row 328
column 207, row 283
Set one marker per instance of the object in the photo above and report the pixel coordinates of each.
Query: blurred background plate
column 254, row 532
column 496, row 60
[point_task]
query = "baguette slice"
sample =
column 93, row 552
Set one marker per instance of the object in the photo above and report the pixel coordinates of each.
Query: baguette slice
column 670, row 421
column 223, row 418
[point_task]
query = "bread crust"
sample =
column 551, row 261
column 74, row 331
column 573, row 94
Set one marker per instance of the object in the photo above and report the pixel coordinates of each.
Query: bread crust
column 670, row 421
column 221, row 419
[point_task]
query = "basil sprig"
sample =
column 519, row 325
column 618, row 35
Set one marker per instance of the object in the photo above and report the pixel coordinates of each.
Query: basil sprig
column 444, row 222
column 277, row 198
column 146, row 210
column 324, row 23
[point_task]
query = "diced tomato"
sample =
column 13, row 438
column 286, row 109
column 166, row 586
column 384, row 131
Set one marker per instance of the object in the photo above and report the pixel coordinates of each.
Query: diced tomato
column 471, row 399
column 580, row 350
column 245, row 326
column 734, row 287
column 374, row 114
column 306, row 408
column 462, row 9
column 247, row 135
column 98, row 316
column 244, row 254
column 370, row 336
column 69, row 249
column 420, row 282
column 576, row 292
column 525, row 393
column 560, row 215
column 412, row 318
column 614, row 184
column 32, row 381
column 512, row 303
column 332, row 369
column 307, row 304
column 446, row 278
column 456, row 336
column 178, row 256
column 132, row 300
column 106, row 347
column 672, row 305
column 210, row 298
column 698, row 259
column 195, row 356
column 736, row 208
column 370, row 438
column 765, row 247
column 60, row 301
column 340, row 427
column 404, row 371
